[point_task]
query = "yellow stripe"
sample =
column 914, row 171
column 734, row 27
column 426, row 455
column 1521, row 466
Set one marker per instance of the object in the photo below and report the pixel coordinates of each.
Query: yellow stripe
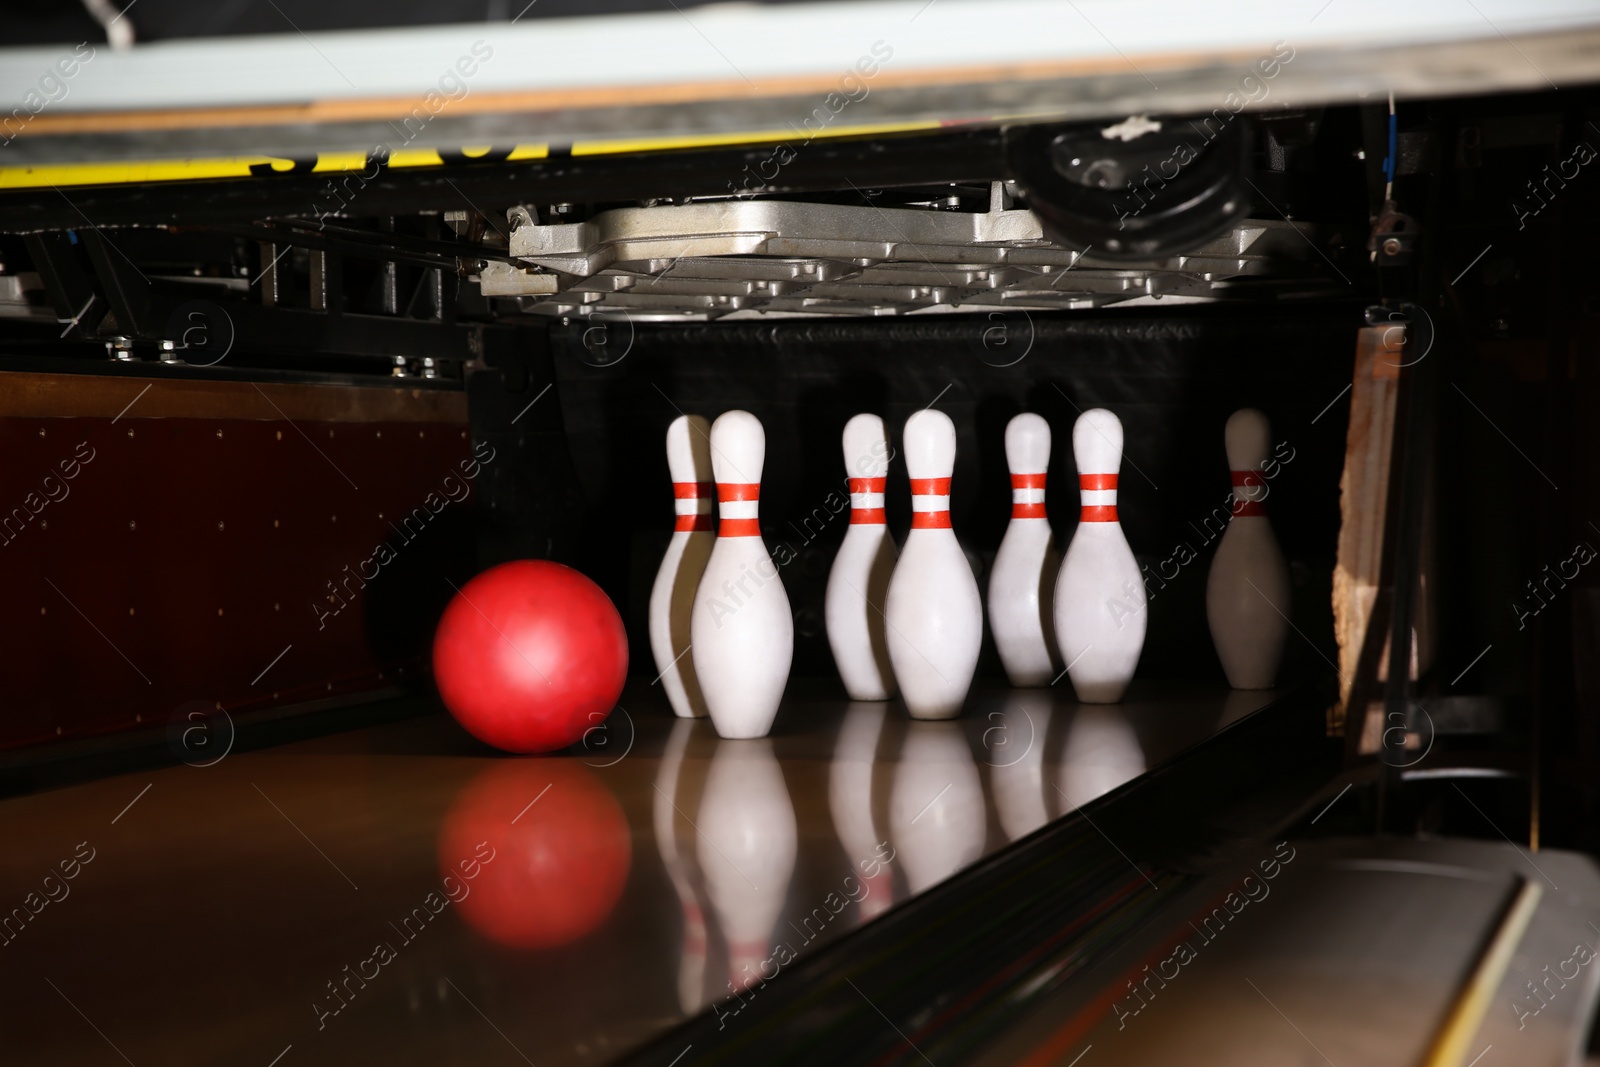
column 1451, row 1046
column 790, row 136
column 120, row 173
column 340, row 161
column 177, row 170
column 415, row 157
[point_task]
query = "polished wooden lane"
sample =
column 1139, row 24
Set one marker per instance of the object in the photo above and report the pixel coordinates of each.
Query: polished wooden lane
column 399, row 893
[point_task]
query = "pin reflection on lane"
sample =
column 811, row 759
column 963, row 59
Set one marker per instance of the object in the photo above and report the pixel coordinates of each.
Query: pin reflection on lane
column 1015, row 742
column 560, row 846
column 855, row 757
column 692, row 957
column 748, row 841
column 1242, row 702
column 1101, row 752
column 937, row 815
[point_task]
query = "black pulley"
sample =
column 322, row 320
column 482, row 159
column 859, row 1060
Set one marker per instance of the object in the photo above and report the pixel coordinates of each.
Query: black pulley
column 1140, row 189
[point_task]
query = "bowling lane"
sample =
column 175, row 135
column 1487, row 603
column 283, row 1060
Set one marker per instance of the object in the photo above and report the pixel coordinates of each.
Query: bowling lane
column 399, row 893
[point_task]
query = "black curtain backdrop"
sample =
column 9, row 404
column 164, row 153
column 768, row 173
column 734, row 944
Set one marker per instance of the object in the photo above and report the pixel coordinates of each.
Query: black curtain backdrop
column 1173, row 376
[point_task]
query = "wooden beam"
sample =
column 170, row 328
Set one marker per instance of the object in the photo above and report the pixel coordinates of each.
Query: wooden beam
column 1364, row 496
column 95, row 396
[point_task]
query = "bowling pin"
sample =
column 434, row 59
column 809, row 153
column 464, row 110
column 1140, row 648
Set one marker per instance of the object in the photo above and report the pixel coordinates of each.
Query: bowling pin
column 933, row 612
column 1099, row 598
column 672, row 596
column 1247, row 592
column 1023, row 578
column 859, row 579
column 937, row 818
column 855, row 757
column 748, row 843
column 742, row 629
column 1015, row 743
column 692, row 960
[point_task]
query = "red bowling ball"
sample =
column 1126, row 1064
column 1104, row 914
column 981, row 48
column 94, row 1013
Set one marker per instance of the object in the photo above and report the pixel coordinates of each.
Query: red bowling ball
column 561, row 852
column 530, row 655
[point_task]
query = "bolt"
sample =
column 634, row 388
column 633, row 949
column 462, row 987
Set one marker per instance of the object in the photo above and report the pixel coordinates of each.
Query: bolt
column 1391, row 247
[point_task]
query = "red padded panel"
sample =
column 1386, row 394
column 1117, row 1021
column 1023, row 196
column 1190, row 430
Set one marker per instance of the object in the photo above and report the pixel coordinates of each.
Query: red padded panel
column 188, row 553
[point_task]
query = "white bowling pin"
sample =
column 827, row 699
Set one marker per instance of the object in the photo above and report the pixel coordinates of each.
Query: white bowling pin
column 859, row 580
column 692, row 961
column 672, row 596
column 1015, row 745
column 937, row 818
column 748, row 843
column 933, row 612
column 1099, row 598
column 1101, row 752
column 742, row 630
column 1247, row 593
column 855, row 757
column 1023, row 579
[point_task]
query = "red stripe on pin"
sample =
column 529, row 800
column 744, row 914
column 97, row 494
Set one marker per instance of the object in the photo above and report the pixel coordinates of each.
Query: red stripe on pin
column 930, row 520
column 1099, row 512
column 1027, row 511
column 1248, row 508
column 739, row 528
column 728, row 492
column 867, row 517
column 692, row 490
column 1097, row 481
column 930, row 487
column 695, row 523
column 1027, row 481
column 1245, row 479
column 867, row 485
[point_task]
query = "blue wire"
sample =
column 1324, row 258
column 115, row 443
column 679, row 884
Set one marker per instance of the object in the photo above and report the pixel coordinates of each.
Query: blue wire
column 1388, row 164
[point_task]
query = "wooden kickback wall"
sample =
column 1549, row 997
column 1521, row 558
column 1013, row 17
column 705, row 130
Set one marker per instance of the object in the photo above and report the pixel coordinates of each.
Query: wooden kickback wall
column 180, row 546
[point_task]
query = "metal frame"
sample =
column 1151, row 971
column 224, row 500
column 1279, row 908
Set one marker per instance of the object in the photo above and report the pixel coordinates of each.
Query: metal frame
column 601, row 83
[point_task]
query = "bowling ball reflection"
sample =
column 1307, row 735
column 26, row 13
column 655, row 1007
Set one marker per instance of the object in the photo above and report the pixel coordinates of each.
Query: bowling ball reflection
column 562, row 849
